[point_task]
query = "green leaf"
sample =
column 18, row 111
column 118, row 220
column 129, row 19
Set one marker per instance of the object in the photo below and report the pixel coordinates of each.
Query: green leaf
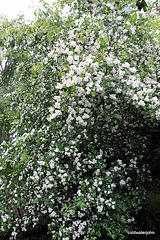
column 83, row 205
column 102, row 40
column 72, row 212
column 134, row 17
column 107, row 118
column 81, row 39
column 145, row 9
column 63, row 74
column 93, row 94
column 145, row 4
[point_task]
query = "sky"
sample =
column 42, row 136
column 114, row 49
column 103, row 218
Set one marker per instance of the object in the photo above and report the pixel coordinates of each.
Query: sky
column 11, row 8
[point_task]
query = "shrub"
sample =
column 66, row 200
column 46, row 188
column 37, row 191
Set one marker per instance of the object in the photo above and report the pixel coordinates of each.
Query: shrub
column 88, row 88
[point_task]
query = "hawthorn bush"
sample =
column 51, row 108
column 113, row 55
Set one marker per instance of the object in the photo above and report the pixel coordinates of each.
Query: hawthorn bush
column 87, row 89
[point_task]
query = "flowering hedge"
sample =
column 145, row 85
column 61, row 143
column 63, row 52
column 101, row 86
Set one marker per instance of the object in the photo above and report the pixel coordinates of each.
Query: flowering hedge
column 88, row 86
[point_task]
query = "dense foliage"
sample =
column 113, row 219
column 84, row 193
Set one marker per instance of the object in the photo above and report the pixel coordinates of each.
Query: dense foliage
column 84, row 88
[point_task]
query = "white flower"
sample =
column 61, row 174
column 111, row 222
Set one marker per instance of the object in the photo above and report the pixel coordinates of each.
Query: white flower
column 51, row 54
column 133, row 29
column 90, row 84
column 108, row 173
column 54, row 115
column 135, row 97
column 109, row 60
column 4, row 218
column 79, row 70
column 71, row 34
column 77, row 49
column 85, row 116
column 95, row 65
column 133, row 69
column 79, row 193
column 136, row 84
column 112, row 96
column 59, row 86
column 53, row 214
column 116, row 169
column 141, row 103
column 131, row 220
column 121, row 73
column 119, row 161
column 156, row 100
column 122, row 182
column 158, row 114
column 113, row 185
column 69, row 119
column 41, row 163
column 57, row 98
column 57, row 105
column 100, row 208
column 73, row 43
column 110, row 5
column 70, row 59
column 100, row 183
column 1, row 181
column 35, row 176
column 80, row 121
column 97, row 172
column 71, row 110
column 76, row 57
column 51, row 109
column 51, row 178
column 101, row 200
column 118, row 90
column 119, row 18
column 51, row 164
column 20, row 178
column 89, row 60
column 14, row 234
column 126, row 65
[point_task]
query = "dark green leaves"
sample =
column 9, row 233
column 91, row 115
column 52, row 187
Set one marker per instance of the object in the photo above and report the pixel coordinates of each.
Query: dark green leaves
column 141, row 4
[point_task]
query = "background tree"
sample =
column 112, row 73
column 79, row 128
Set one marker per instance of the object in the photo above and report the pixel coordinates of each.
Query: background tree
column 11, row 36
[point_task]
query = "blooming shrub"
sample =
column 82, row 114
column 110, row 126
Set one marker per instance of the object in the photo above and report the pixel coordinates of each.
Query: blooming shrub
column 88, row 87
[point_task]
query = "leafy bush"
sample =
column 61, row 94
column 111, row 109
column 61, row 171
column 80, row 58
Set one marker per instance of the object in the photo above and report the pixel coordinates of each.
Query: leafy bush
column 87, row 90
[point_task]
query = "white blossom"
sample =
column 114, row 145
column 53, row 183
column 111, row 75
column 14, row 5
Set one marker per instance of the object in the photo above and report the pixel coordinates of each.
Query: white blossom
column 53, row 214
column 158, row 114
column 133, row 69
column 122, row 182
column 100, row 208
